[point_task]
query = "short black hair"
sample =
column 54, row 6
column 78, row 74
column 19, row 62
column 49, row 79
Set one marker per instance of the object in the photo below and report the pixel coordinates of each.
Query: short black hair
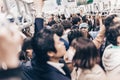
column 58, row 29
column 63, row 16
column 113, row 32
column 75, row 20
column 109, row 21
column 42, row 43
column 51, row 22
column 66, row 24
column 75, row 33
column 84, row 18
column 27, row 44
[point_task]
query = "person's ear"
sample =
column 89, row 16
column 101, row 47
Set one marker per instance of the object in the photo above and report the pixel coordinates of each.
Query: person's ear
column 51, row 54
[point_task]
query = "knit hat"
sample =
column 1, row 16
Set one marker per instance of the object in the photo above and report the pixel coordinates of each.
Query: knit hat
column 83, row 25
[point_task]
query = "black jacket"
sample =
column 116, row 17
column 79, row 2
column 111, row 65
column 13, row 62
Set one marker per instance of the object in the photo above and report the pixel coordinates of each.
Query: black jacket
column 44, row 72
column 11, row 74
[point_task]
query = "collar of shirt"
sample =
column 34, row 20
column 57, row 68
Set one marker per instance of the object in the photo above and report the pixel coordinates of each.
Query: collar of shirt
column 57, row 66
column 66, row 32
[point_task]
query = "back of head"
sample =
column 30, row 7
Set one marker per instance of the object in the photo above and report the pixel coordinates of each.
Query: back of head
column 52, row 22
column 66, row 24
column 113, row 32
column 75, row 20
column 86, row 55
column 26, row 44
column 63, row 17
column 75, row 33
column 109, row 21
column 84, row 18
column 42, row 43
column 58, row 29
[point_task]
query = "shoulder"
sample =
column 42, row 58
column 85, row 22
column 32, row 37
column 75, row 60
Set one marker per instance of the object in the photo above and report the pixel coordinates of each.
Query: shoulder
column 97, row 70
column 109, row 50
column 55, row 76
column 96, row 73
column 89, row 74
column 111, row 58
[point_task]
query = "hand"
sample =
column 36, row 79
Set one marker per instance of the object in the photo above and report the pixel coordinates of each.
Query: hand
column 38, row 7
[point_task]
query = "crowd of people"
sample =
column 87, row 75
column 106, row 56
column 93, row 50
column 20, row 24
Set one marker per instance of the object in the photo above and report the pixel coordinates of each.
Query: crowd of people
column 75, row 48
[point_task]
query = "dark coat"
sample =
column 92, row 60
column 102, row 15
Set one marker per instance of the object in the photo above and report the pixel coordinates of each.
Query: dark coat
column 44, row 72
column 11, row 74
column 38, row 24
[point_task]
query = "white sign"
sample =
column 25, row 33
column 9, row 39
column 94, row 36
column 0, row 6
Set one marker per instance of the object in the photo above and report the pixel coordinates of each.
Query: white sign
column 50, row 6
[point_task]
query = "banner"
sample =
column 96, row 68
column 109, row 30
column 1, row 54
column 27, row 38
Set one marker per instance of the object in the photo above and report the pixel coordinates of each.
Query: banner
column 82, row 2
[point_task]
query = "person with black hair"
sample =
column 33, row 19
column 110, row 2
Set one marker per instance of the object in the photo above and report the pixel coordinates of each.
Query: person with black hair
column 75, row 33
column 48, row 50
column 110, row 20
column 26, row 53
column 62, row 17
column 59, row 29
column 52, row 22
column 111, row 54
column 85, row 19
column 67, row 28
column 75, row 22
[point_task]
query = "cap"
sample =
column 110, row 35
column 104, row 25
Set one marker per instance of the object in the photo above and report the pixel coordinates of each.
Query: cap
column 83, row 25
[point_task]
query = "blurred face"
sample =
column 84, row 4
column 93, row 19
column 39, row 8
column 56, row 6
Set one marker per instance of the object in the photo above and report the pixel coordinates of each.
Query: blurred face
column 116, row 19
column 29, row 52
column 87, row 17
column 84, row 29
column 118, row 40
column 61, row 51
column 10, row 44
column 12, row 39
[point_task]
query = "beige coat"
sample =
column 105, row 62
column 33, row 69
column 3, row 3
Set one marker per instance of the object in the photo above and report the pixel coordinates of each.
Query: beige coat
column 100, row 37
column 96, row 73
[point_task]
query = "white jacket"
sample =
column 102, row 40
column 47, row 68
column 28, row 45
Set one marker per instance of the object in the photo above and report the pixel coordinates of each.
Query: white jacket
column 111, row 62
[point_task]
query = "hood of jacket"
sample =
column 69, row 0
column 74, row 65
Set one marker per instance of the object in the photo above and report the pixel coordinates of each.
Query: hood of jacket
column 111, row 57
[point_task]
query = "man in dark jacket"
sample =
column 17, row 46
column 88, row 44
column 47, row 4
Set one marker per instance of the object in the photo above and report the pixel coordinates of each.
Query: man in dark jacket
column 48, row 51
